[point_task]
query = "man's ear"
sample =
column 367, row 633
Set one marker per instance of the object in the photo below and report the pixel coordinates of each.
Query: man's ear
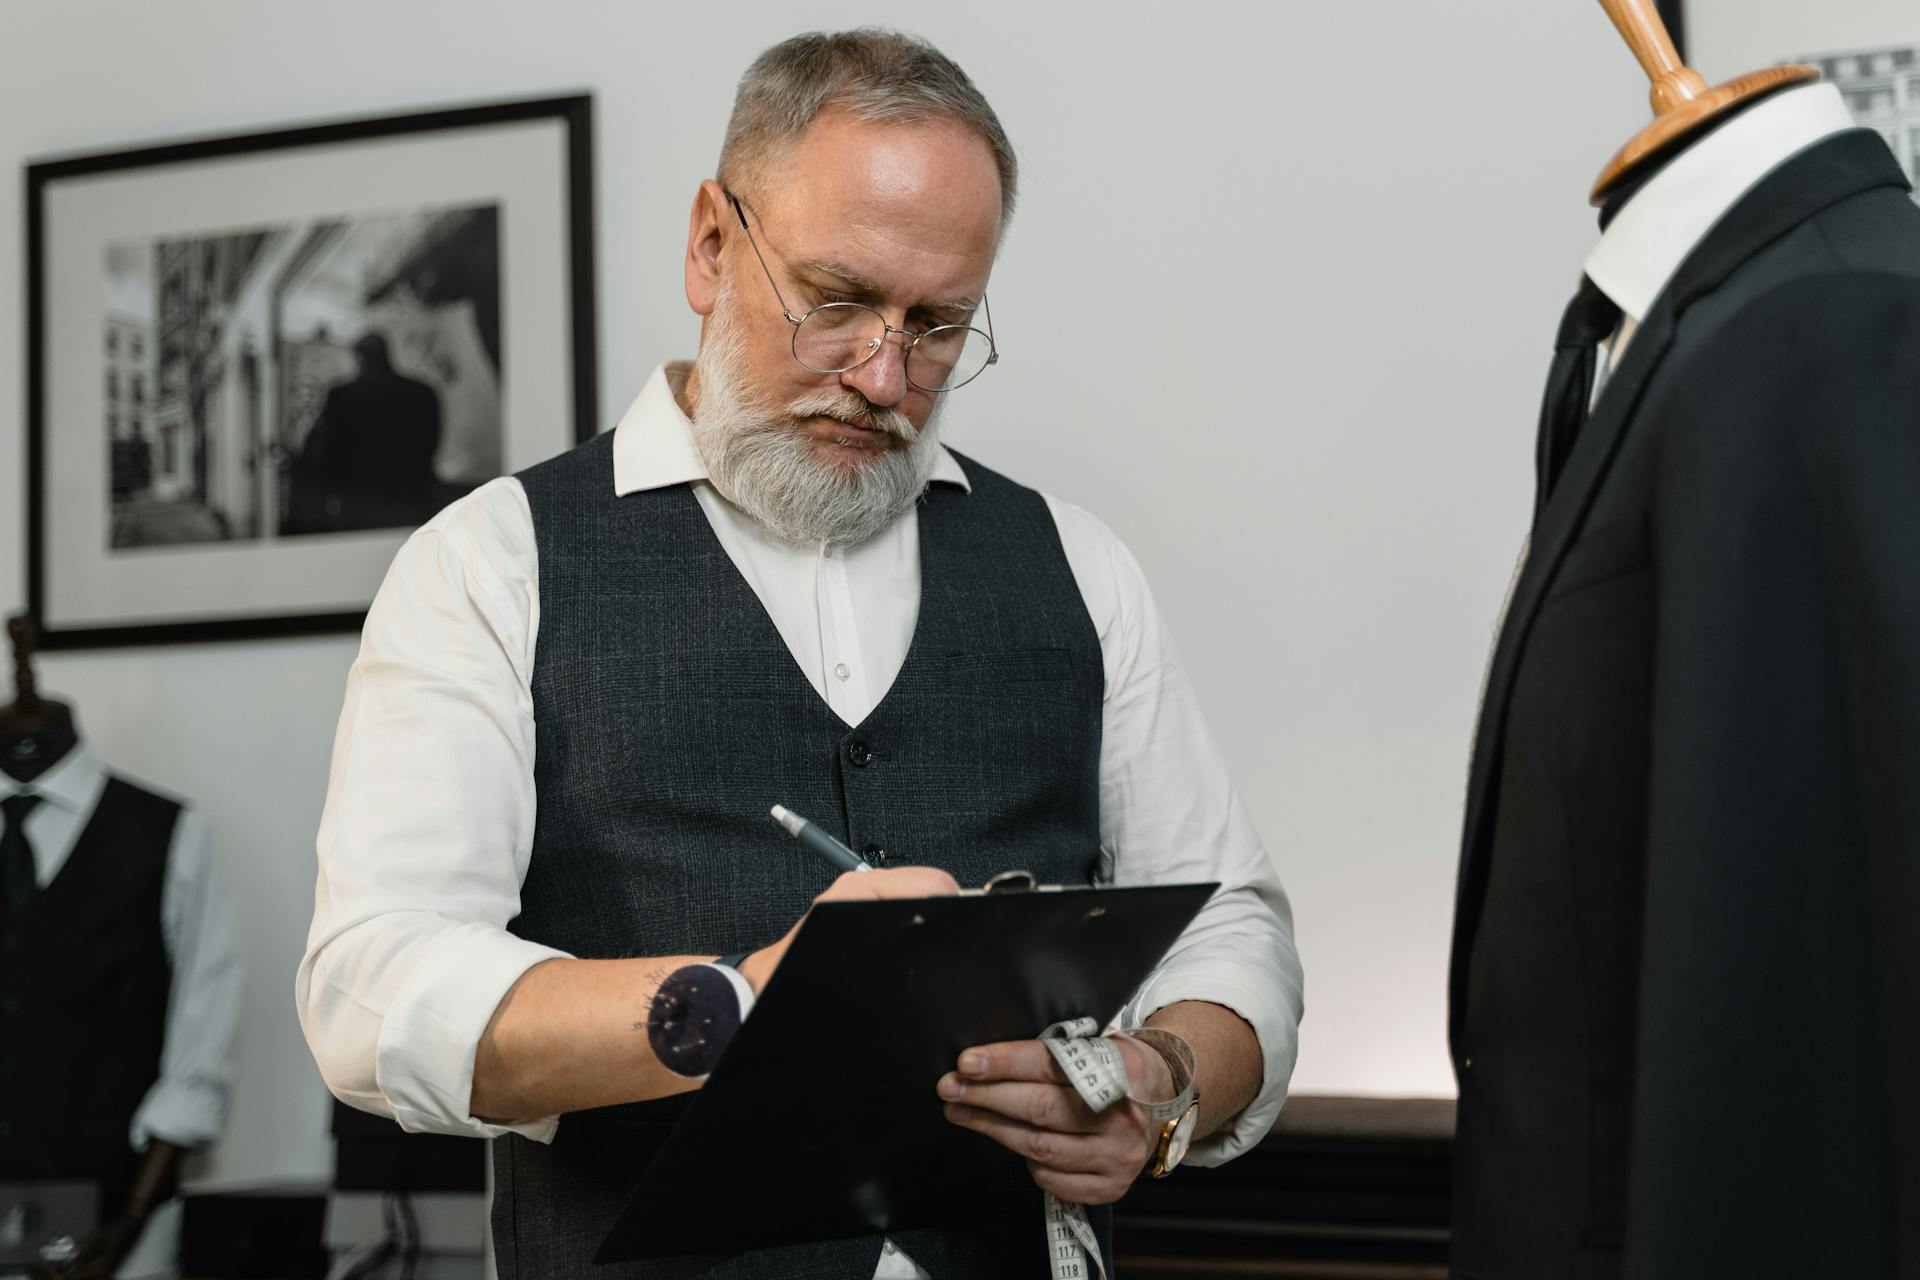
column 707, row 237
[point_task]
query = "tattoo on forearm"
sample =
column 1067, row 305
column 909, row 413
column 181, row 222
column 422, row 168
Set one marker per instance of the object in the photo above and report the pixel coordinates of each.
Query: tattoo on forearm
column 652, row 979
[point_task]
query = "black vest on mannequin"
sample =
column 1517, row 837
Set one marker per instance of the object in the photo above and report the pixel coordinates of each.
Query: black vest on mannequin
column 84, row 980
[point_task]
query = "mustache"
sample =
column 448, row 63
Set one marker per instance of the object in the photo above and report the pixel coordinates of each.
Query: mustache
column 855, row 410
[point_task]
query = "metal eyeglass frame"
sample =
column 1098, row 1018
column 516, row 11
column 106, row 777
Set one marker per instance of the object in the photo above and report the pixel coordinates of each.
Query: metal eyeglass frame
column 993, row 349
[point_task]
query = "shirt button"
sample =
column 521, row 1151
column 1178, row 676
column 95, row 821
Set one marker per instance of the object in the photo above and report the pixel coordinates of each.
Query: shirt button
column 843, row 671
column 887, row 1248
column 860, row 753
column 874, row 855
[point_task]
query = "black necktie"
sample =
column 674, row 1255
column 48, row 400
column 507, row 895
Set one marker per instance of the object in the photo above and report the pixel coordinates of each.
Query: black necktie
column 1590, row 319
column 17, row 877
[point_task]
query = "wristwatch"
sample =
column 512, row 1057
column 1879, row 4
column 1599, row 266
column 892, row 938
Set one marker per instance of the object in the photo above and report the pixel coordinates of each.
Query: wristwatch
column 1176, row 1118
column 695, row 1014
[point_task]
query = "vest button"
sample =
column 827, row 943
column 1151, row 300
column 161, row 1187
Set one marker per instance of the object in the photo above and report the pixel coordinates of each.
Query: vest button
column 875, row 855
column 10, row 940
column 10, row 1005
column 860, row 753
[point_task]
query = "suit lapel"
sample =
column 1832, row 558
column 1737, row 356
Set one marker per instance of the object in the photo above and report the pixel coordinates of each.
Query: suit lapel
column 1565, row 512
column 1816, row 179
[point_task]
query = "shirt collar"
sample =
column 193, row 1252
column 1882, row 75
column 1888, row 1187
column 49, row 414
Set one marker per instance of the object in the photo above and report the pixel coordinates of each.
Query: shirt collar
column 73, row 783
column 1671, row 215
column 653, row 445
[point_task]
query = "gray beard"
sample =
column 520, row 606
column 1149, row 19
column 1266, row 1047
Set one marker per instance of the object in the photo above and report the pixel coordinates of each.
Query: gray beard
column 762, row 461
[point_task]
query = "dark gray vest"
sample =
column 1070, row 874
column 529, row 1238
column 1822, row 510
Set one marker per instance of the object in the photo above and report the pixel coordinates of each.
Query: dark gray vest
column 670, row 715
column 84, row 979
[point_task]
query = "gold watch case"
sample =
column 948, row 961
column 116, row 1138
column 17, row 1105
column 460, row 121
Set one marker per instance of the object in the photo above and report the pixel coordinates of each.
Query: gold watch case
column 1176, row 1136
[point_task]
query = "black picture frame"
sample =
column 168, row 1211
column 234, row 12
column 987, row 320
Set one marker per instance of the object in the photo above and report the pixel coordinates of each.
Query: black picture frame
column 573, row 211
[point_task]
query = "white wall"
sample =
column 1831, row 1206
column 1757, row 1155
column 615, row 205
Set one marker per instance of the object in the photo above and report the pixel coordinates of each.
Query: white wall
column 1728, row 37
column 1276, row 304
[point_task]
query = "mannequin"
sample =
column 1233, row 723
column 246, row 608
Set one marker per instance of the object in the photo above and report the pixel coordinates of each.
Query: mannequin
column 1684, row 980
column 1684, row 108
column 37, row 733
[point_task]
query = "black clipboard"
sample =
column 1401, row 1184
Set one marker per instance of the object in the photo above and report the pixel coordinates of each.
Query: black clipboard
column 820, row 1121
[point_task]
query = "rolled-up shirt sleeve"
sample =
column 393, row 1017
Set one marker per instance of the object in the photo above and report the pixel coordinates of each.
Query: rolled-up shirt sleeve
column 1169, row 814
column 428, row 825
column 188, row 1102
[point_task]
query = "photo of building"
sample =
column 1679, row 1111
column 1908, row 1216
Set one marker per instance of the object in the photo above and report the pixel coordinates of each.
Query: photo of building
column 332, row 375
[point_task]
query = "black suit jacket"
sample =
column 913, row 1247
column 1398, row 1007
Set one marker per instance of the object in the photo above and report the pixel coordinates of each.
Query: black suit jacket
column 1684, row 989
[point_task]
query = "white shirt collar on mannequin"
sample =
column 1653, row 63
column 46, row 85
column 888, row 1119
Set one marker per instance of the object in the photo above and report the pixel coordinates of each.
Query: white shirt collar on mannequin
column 1669, row 217
column 74, row 782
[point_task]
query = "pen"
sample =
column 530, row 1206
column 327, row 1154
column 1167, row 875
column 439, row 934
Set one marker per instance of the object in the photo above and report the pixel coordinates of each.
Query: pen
column 843, row 858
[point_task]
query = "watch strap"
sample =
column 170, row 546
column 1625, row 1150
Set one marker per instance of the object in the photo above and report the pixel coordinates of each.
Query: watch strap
column 1178, row 1055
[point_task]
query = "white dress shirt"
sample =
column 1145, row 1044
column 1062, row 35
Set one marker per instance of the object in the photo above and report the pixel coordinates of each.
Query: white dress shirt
column 187, row 1104
column 428, row 824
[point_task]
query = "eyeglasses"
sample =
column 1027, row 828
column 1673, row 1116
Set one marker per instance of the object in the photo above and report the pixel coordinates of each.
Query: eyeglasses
column 837, row 336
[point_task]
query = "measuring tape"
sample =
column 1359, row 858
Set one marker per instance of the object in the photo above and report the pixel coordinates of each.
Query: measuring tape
column 1094, row 1068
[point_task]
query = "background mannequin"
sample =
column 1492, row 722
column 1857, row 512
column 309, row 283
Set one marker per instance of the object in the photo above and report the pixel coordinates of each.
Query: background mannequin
column 35, row 732
column 164, row 910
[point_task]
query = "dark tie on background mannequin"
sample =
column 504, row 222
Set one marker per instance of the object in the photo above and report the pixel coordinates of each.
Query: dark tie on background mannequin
column 18, row 881
column 1590, row 319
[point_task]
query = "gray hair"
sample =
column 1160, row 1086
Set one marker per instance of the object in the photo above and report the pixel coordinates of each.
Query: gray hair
column 873, row 74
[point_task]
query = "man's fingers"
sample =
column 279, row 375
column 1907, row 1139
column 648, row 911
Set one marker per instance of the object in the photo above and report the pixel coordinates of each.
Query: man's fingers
column 1044, row 1106
column 1012, row 1060
column 895, row 882
column 1066, row 1152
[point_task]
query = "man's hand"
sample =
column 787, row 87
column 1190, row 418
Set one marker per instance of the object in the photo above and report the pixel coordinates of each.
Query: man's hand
column 1016, row 1094
column 852, row 886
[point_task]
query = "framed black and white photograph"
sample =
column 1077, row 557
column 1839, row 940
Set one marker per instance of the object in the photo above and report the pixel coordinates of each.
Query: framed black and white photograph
column 257, row 363
column 1868, row 49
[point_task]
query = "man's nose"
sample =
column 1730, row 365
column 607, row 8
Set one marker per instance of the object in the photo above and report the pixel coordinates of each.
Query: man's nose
column 882, row 378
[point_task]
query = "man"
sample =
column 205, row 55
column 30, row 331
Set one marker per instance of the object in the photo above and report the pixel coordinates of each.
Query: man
column 581, row 688
column 1684, row 969
column 370, row 453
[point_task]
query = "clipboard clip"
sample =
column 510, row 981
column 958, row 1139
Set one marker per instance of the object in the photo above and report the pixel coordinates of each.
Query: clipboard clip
column 1008, row 882
column 1011, row 882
